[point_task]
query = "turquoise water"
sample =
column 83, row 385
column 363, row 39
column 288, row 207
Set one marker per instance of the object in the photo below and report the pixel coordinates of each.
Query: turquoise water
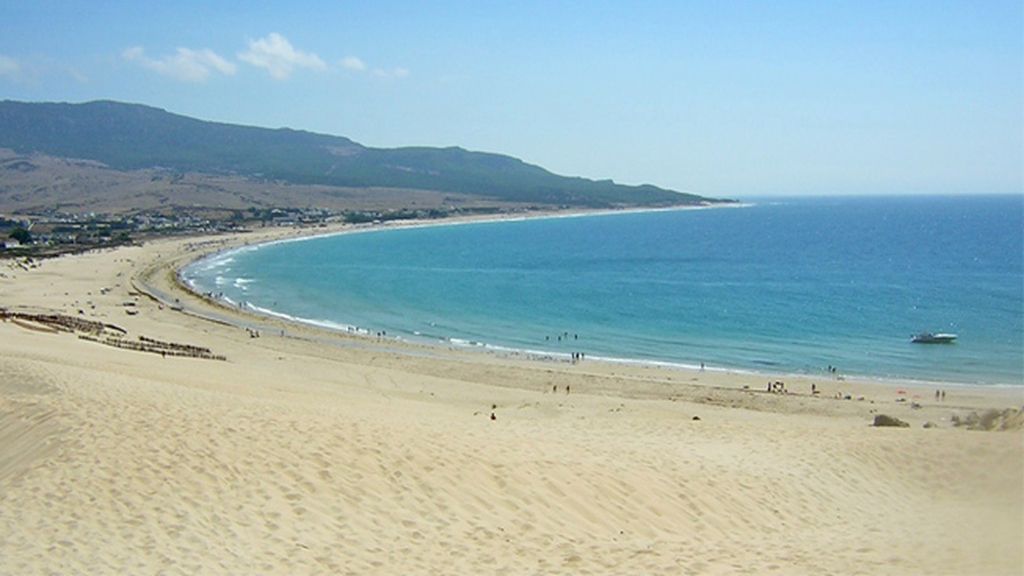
column 785, row 286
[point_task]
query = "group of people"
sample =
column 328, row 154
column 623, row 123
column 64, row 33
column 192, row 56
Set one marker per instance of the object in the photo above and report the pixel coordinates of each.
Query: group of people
column 576, row 356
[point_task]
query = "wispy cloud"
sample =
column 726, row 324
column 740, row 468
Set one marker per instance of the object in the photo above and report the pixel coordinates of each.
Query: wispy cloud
column 356, row 64
column 391, row 73
column 353, row 63
column 278, row 57
column 186, row 64
column 9, row 67
column 273, row 53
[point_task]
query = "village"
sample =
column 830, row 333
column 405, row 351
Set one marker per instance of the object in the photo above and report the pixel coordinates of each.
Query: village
column 53, row 233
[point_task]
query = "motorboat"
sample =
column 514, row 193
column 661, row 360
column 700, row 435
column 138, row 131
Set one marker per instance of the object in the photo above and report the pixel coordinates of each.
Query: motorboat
column 933, row 338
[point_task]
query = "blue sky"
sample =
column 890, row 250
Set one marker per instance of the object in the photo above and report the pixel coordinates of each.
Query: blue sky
column 717, row 98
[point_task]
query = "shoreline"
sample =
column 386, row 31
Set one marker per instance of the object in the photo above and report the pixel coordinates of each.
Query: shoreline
column 752, row 379
column 499, row 350
column 847, row 387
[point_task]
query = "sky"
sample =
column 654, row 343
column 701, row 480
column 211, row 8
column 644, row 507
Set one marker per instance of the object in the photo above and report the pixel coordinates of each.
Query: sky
column 728, row 99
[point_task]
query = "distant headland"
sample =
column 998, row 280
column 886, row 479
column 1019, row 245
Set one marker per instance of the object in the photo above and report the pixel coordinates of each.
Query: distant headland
column 100, row 173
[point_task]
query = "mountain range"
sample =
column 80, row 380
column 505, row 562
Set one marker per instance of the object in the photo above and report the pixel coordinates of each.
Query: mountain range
column 132, row 137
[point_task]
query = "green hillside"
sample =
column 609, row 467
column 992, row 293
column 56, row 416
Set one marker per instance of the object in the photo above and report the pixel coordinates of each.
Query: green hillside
column 131, row 136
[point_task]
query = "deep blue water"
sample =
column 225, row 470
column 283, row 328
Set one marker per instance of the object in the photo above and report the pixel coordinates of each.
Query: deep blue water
column 790, row 285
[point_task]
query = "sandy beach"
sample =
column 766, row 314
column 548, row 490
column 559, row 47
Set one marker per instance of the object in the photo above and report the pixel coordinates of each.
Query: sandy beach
column 305, row 451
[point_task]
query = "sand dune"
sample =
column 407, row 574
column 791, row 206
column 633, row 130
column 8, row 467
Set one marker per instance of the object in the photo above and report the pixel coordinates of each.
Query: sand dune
column 313, row 453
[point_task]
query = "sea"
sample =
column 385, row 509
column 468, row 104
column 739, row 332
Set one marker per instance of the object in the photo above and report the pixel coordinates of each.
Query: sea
column 776, row 286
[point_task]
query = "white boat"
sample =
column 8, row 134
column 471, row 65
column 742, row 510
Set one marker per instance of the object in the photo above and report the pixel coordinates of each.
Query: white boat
column 930, row 338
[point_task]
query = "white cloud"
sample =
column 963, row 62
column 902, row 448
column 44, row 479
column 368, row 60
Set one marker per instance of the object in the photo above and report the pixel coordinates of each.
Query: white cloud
column 78, row 75
column 353, row 63
column 9, row 66
column 357, row 65
column 279, row 57
column 392, row 73
column 185, row 64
